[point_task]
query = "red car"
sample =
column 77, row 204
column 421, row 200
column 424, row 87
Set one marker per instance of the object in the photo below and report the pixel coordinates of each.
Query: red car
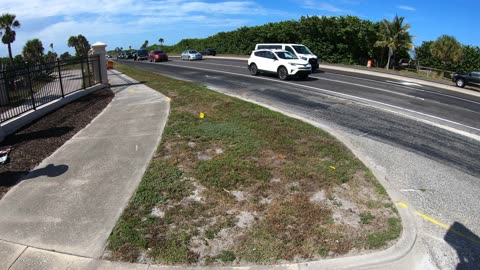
column 156, row 56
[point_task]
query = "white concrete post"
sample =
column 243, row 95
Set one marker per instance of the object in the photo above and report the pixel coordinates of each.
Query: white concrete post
column 99, row 49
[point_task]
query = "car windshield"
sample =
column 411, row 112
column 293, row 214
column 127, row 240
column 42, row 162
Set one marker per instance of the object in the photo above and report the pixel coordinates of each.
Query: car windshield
column 158, row 52
column 286, row 55
column 194, row 52
column 302, row 50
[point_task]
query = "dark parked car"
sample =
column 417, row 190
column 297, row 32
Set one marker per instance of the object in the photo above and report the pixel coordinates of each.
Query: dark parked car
column 472, row 78
column 156, row 56
column 142, row 54
column 128, row 55
column 209, row 51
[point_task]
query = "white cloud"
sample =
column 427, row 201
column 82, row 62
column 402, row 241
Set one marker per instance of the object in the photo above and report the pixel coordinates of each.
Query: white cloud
column 408, row 8
column 124, row 19
column 321, row 5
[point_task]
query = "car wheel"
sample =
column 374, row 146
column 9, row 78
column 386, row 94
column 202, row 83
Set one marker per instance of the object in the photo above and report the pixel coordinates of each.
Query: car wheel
column 253, row 69
column 460, row 83
column 282, row 73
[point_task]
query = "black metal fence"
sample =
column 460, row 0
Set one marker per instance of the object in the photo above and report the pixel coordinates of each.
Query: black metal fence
column 24, row 88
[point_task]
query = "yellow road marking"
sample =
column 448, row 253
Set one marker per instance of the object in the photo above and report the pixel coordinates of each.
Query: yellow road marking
column 432, row 220
column 440, row 224
column 402, row 205
column 132, row 91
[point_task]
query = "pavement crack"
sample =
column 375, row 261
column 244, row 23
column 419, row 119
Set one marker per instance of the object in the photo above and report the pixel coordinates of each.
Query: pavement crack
column 18, row 257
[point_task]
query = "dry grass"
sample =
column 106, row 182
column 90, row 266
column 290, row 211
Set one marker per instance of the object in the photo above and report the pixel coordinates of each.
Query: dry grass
column 247, row 185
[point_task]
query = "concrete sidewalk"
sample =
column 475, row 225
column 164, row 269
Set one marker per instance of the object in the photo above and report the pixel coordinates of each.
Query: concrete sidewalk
column 95, row 174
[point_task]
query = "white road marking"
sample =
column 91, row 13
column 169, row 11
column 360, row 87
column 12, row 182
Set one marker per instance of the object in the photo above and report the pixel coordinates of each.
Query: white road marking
column 405, row 83
column 416, row 89
column 454, row 130
column 369, row 87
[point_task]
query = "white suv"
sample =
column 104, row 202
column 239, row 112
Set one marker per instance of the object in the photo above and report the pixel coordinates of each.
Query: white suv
column 280, row 62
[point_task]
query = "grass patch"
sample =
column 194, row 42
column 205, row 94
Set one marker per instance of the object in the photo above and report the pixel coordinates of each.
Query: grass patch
column 236, row 186
column 366, row 217
column 379, row 239
column 226, row 256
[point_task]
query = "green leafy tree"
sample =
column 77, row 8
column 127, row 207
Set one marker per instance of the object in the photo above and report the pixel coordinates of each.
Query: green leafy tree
column 447, row 50
column 50, row 56
column 471, row 60
column 394, row 35
column 65, row 56
column 7, row 24
column 33, row 50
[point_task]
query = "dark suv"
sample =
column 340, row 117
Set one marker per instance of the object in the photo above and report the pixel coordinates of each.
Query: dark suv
column 209, row 51
column 472, row 78
column 142, row 54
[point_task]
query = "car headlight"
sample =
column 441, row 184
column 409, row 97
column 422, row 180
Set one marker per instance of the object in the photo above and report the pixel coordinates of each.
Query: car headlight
column 292, row 64
column 303, row 58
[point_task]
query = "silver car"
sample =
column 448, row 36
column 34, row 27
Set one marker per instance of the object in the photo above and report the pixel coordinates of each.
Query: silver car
column 191, row 55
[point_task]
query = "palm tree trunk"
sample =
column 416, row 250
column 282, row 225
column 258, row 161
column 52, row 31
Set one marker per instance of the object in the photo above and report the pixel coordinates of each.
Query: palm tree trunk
column 382, row 56
column 389, row 56
column 10, row 53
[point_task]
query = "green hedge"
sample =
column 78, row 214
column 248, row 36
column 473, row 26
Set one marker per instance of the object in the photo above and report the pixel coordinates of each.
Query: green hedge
column 347, row 39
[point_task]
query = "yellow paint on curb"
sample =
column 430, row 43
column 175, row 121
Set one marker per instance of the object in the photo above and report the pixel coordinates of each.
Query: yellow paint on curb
column 132, row 91
column 402, row 205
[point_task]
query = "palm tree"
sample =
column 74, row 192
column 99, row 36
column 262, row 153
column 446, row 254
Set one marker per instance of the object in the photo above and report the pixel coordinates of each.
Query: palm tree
column 73, row 42
column 161, row 42
column 84, row 45
column 33, row 50
column 448, row 50
column 394, row 36
column 145, row 44
column 51, row 46
column 80, row 43
column 7, row 24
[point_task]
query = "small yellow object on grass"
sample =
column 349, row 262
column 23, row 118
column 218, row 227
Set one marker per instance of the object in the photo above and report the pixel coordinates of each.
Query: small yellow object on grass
column 332, row 167
column 202, row 115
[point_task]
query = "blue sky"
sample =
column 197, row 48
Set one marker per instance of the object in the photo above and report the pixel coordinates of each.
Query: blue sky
column 125, row 23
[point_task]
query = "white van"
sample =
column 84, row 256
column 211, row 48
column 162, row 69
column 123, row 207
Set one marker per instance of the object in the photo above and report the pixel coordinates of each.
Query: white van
column 301, row 51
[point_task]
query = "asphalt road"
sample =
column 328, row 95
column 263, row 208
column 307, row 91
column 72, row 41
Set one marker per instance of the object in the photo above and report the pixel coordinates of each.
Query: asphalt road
column 424, row 140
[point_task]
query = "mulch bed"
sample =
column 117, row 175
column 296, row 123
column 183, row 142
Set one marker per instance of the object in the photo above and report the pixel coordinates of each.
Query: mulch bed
column 37, row 141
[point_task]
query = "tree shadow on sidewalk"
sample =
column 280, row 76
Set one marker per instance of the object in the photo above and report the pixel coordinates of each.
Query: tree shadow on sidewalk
column 11, row 178
column 35, row 135
column 467, row 245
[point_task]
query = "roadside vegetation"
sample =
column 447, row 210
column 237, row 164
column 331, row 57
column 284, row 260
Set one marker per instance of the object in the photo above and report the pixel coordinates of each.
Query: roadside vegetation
column 233, row 183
